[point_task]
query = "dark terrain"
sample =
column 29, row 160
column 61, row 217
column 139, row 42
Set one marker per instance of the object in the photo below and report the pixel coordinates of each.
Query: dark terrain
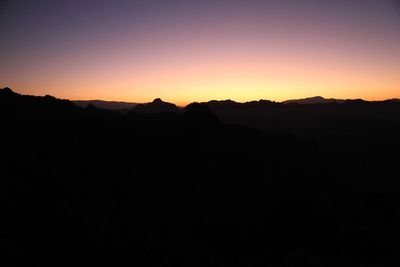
column 109, row 105
column 214, row 184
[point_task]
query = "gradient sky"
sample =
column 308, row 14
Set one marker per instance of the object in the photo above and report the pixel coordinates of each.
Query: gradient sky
column 184, row 51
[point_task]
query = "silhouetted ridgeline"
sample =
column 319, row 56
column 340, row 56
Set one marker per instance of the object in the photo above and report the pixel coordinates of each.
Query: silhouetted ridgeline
column 110, row 105
column 340, row 126
column 214, row 184
column 157, row 106
column 313, row 100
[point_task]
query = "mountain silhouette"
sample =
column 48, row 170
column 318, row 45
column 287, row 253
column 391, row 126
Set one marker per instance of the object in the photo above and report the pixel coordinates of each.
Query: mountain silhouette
column 110, row 105
column 306, row 119
column 16, row 107
column 313, row 100
column 157, row 106
column 200, row 115
column 4, row 92
column 220, row 183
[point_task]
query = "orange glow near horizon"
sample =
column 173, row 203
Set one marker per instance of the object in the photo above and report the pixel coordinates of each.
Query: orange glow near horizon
column 223, row 79
column 240, row 53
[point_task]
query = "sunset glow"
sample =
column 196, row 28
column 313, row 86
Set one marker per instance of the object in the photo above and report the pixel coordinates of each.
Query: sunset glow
column 242, row 50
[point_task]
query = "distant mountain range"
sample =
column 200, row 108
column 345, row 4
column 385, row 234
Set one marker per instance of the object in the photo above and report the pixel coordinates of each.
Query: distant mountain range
column 313, row 120
column 313, row 100
column 160, row 106
column 156, row 106
column 219, row 183
column 111, row 105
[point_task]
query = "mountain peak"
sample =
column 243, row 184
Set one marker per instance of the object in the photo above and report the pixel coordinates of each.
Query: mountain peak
column 157, row 101
column 7, row 90
column 157, row 106
column 200, row 114
column 317, row 97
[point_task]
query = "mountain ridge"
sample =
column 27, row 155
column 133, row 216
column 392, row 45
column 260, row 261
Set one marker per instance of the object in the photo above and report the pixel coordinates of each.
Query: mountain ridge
column 89, row 182
column 156, row 106
column 167, row 106
column 104, row 104
column 313, row 100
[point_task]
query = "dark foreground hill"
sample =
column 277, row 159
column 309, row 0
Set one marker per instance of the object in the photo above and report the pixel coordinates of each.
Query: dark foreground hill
column 85, row 186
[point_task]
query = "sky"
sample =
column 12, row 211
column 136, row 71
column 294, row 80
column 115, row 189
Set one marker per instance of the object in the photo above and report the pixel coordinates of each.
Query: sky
column 184, row 51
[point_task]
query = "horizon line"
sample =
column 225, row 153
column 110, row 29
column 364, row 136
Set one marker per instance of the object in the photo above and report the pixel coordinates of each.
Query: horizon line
column 180, row 104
